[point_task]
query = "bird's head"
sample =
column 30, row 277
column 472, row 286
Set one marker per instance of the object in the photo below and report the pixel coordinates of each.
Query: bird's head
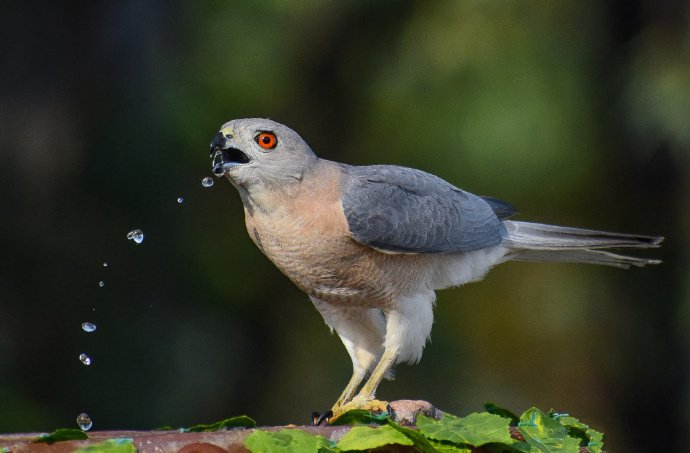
column 259, row 153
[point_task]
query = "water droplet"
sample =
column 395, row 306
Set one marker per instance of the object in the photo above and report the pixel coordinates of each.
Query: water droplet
column 105, row 264
column 180, row 200
column 85, row 359
column 207, row 182
column 101, row 283
column 88, row 327
column 136, row 236
column 84, row 421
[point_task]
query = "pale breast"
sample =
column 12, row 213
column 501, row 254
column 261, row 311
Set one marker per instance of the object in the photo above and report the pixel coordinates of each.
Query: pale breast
column 306, row 236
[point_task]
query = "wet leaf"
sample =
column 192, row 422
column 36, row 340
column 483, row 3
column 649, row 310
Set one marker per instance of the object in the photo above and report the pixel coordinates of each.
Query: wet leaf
column 287, row 441
column 365, row 438
column 61, row 435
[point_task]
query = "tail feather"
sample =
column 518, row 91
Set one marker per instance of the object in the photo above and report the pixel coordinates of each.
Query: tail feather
column 539, row 242
column 584, row 256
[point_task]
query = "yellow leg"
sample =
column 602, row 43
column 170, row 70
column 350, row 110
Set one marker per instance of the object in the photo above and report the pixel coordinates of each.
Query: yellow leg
column 369, row 389
column 365, row 398
column 348, row 393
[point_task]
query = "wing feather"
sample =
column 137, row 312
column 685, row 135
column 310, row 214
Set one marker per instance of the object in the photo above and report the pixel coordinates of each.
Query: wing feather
column 403, row 210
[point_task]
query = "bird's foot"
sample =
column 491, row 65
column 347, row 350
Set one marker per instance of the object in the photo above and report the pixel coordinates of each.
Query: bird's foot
column 374, row 406
column 403, row 412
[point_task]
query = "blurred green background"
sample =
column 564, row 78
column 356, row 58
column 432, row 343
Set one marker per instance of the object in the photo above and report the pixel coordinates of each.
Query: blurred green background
column 576, row 112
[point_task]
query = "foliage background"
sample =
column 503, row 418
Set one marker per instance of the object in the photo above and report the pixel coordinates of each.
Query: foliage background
column 576, row 112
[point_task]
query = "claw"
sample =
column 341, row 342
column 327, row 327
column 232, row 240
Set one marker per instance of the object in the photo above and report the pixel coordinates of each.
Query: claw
column 319, row 417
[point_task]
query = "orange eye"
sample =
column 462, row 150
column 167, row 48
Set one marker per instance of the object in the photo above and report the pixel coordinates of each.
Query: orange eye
column 267, row 140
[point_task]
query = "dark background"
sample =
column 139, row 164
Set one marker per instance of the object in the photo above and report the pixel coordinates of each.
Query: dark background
column 577, row 112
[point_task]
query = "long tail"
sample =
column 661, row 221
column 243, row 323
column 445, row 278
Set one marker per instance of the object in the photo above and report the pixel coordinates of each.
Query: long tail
column 539, row 242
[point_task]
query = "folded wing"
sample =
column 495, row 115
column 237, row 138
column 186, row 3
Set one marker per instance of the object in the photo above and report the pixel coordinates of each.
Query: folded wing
column 403, row 210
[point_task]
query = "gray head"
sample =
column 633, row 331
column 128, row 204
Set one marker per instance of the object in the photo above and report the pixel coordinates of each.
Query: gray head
column 259, row 153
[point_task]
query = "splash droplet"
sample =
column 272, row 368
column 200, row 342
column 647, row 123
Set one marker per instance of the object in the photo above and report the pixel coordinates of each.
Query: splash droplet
column 85, row 359
column 207, row 182
column 105, row 264
column 84, row 421
column 180, row 200
column 136, row 236
column 88, row 327
column 101, row 283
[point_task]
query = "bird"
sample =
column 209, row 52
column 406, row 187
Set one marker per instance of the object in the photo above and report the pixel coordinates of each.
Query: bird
column 370, row 245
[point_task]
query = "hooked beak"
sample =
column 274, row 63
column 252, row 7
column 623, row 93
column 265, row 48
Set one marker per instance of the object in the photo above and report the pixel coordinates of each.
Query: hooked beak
column 225, row 156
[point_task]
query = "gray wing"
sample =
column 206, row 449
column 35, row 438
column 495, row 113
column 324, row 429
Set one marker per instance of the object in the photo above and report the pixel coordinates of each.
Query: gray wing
column 402, row 210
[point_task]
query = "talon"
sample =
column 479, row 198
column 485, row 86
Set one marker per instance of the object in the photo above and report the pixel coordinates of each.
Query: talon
column 318, row 417
column 390, row 410
column 359, row 403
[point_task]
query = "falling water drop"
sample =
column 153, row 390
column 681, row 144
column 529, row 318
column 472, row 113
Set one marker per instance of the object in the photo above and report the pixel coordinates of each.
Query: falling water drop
column 105, row 264
column 136, row 236
column 88, row 327
column 84, row 421
column 207, row 182
column 85, row 359
column 180, row 200
column 101, row 283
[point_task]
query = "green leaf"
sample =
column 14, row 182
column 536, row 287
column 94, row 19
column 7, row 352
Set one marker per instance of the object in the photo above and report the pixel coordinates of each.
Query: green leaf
column 475, row 429
column 241, row 421
column 575, row 428
column 119, row 445
column 445, row 447
column 545, row 433
column 517, row 447
column 592, row 438
column 287, row 441
column 365, row 438
column 420, row 441
column 501, row 412
column 360, row 417
column 61, row 435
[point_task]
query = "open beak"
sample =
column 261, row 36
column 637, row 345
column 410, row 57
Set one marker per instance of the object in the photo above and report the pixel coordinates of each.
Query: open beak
column 225, row 156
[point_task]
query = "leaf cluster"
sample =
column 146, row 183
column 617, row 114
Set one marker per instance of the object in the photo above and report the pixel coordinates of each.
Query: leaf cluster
column 497, row 430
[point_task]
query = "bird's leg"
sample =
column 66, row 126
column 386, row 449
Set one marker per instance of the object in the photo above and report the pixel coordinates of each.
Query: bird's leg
column 362, row 333
column 368, row 391
column 407, row 328
column 365, row 398
column 348, row 393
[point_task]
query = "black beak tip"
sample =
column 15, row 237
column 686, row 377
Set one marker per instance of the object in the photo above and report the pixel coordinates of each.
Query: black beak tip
column 218, row 142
